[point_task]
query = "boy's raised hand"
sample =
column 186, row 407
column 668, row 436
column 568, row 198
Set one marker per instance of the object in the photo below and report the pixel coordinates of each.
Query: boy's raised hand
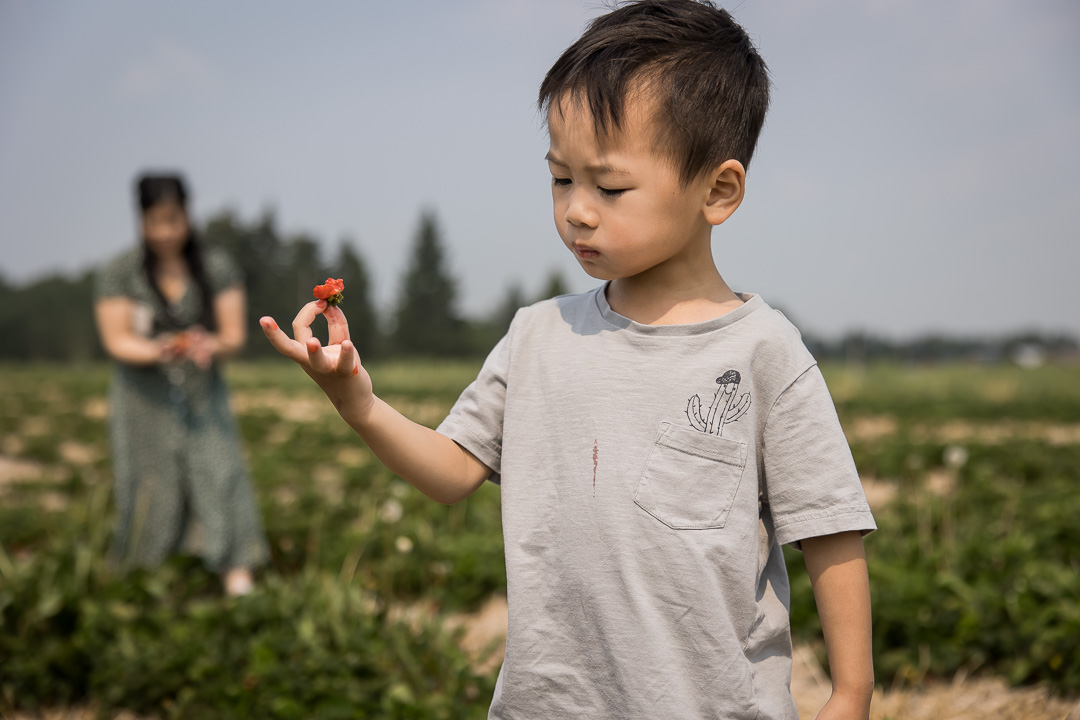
column 335, row 368
column 433, row 463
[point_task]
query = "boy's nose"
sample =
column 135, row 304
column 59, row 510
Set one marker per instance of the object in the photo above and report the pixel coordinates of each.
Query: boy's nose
column 579, row 213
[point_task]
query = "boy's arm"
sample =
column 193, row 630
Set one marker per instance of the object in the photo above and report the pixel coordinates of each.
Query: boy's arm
column 837, row 567
column 433, row 463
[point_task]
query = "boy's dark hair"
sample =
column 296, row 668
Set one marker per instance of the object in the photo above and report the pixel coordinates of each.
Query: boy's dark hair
column 710, row 86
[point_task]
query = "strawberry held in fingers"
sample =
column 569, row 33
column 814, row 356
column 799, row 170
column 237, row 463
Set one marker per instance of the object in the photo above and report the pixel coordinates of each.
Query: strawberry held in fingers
column 330, row 291
column 180, row 343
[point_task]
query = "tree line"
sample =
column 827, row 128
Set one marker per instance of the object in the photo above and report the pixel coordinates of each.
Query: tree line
column 51, row 318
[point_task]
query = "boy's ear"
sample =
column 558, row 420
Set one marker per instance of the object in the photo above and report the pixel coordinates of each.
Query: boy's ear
column 725, row 191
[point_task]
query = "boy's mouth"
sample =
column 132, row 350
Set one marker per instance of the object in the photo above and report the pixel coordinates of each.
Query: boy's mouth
column 585, row 252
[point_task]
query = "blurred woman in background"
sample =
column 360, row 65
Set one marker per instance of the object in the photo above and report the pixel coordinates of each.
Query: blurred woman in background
column 168, row 312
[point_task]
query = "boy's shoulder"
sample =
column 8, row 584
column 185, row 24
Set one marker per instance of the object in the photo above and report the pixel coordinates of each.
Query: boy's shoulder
column 754, row 338
column 754, row 320
column 570, row 308
column 778, row 342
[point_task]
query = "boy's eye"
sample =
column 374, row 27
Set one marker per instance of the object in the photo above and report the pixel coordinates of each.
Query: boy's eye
column 606, row 192
column 560, row 182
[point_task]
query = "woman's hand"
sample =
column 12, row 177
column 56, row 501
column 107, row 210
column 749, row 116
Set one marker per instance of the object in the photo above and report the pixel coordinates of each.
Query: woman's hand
column 194, row 345
column 170, row 347
column 335, row 368
column 200, row 347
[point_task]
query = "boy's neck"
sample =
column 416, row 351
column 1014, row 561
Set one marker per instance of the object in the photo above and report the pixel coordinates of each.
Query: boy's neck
column 649, row 300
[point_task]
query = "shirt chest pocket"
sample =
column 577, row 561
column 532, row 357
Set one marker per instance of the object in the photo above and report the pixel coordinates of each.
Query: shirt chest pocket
column 690, row 478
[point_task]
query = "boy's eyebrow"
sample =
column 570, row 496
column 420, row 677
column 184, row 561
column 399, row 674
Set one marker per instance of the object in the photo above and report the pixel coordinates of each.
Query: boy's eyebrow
column 596, row 169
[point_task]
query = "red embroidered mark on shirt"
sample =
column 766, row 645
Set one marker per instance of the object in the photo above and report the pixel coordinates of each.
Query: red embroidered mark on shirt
column 595, row 462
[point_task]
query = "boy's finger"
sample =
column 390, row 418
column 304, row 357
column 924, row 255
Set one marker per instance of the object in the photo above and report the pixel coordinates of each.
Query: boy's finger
column 338, row 325
column 315, row 356
column 301, row 324
column 280, row 340
column 348, row 362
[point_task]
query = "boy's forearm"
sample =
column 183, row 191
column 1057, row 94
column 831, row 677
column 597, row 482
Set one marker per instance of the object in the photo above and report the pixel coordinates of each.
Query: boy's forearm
column 433, row 463
column 837, row 567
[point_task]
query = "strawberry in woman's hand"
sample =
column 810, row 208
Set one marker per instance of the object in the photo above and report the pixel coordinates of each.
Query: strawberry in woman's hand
column 180, row 343
column 193, row 344
column 330, row 291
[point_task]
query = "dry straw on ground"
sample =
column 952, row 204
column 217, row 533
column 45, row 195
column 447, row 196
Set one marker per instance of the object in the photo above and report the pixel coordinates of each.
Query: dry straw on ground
column 962, row 699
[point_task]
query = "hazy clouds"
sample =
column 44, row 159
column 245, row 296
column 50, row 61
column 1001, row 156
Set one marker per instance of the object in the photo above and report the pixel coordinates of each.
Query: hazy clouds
column 918, row 169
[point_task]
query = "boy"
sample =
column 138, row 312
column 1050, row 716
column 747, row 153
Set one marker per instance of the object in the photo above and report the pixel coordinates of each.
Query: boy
column 656, row 439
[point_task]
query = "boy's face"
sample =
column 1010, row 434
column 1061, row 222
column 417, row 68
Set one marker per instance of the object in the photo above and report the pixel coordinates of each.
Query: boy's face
column 619, row 206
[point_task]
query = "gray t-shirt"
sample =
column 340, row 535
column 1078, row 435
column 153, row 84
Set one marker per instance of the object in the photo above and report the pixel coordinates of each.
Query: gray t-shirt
column 649, row 476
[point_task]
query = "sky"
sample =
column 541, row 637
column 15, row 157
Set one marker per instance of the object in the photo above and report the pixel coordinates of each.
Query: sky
column 917, row 173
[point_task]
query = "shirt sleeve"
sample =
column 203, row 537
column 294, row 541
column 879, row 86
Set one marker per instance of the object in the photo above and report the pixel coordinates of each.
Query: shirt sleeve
column 476, row 420
column 222, row 272
column 113, row 279
column 811, row 485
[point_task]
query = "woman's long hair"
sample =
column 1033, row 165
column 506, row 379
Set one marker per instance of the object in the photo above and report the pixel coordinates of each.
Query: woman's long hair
column 153, row 190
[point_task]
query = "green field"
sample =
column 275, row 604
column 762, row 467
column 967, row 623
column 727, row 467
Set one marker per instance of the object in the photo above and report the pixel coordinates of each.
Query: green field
column 975, row 567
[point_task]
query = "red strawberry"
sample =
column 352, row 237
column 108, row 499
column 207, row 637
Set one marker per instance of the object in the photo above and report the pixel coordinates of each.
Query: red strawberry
column 330, row 291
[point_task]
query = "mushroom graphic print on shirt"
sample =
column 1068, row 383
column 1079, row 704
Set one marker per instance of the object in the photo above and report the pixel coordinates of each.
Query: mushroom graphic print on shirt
column 727, row 405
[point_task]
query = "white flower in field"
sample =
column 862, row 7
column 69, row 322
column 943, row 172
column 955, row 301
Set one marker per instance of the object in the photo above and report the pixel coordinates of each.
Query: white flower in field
column 404, row 545
column 955, row 456
column 400, row 490
column 391, row 511
column 441, row 568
